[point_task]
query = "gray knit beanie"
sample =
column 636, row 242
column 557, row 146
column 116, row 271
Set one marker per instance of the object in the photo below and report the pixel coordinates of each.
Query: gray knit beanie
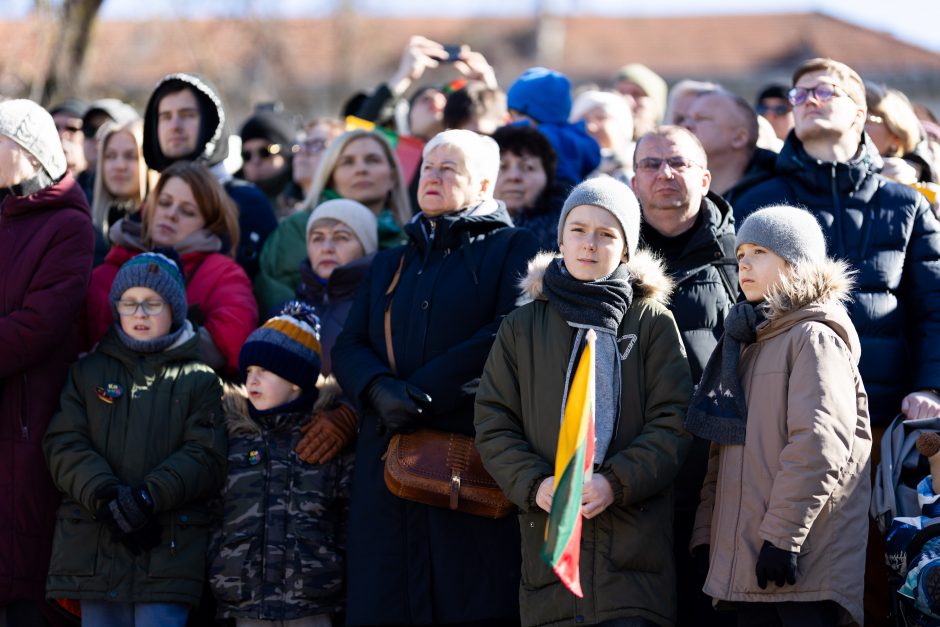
column 355, row 215
column 792, row 233
column 157, row 272
column 31, row 126
column 610, row 194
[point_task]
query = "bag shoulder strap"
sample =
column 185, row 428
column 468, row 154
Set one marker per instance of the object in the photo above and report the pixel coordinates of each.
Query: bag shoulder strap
column 389, row 293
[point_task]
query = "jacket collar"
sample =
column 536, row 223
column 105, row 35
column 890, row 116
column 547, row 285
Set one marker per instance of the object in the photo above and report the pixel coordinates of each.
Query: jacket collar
column 648, row 277
column 855, row 177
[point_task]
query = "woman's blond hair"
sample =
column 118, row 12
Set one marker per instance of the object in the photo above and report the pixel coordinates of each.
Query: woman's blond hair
column 398, row 201
column 102, row 198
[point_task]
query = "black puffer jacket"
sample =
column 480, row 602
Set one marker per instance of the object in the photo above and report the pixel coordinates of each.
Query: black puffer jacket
column 888, row 233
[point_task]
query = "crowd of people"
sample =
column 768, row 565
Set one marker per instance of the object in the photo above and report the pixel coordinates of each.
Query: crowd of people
column 212, row 344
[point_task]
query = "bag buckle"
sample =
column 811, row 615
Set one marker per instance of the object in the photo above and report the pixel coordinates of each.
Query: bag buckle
column 454, row 489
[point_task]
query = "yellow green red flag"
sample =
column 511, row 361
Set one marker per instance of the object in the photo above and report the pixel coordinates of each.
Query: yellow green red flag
column 573, row 462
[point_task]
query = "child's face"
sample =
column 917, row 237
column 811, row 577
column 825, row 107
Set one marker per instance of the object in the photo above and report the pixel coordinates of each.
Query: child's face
column 759, row 269
column 133, row 308
column 331, row 245
column 592, row 244
column 267, row 390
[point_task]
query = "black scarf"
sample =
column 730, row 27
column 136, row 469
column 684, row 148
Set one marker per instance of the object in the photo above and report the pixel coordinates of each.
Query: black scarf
column 601, row 303
column 718, row 409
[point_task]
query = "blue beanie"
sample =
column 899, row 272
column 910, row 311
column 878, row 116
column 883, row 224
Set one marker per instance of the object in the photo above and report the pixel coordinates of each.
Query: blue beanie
column 542, row 94
column 157, row 272
column 287, row 345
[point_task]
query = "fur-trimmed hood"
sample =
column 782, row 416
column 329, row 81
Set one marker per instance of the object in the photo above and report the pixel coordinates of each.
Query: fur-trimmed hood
column 647, row 276
column 813, row 292
column 235, row 405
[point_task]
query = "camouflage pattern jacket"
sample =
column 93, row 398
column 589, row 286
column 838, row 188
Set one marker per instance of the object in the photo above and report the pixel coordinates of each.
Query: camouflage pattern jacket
column 280, row 552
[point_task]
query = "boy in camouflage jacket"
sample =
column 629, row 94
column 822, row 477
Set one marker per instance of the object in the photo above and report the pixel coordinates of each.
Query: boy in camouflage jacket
column 279, row 555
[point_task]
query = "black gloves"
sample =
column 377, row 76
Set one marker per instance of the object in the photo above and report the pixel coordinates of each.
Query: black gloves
column 398, row 404
column 128, row 513
column 775, row 565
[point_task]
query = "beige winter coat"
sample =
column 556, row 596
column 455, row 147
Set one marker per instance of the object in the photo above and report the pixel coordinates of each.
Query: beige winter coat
column 801, row 478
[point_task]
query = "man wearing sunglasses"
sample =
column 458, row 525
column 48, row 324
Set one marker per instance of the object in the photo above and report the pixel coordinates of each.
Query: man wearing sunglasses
column 267, row 151
column 773, row 105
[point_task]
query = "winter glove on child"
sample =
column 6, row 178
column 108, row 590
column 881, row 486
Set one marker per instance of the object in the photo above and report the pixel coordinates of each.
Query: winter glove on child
column 123, row 508
column 137, row 506
column 327, row 433
column 398, row 404
column 775, row 565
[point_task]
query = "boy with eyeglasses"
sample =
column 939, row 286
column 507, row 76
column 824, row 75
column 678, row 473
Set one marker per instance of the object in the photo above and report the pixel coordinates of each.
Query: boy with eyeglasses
column 137, row 449
column 885, row 230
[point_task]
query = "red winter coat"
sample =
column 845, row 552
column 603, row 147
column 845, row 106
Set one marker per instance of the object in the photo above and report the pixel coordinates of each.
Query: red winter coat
column 215, row 283
column 46, row 246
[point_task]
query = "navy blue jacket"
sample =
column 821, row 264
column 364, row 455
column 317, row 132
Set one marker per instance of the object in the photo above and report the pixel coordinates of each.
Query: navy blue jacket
column 888, row 233
column 410, row 563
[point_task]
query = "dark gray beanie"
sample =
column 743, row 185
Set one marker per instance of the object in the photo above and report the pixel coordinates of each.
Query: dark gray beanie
column 792, row 233
column 610, row 194
column 157, row 272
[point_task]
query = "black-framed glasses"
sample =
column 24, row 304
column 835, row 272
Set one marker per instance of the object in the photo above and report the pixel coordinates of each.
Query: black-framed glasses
column 822, row 93
column 262, row 153
column 150, row 307
column 676, row 164
column 778, row 110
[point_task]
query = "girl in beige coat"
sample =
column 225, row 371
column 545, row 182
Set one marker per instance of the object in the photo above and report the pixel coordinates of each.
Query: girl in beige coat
column 783, row 517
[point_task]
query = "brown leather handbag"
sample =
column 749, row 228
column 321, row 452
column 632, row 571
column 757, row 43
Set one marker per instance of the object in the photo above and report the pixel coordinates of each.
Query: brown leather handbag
column 438, row 468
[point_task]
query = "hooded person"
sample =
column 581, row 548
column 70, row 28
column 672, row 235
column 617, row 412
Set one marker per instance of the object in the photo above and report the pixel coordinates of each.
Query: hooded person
column 46, row 247
column 267, row 141
column 542, row 97
column 600, row 286
column 185, row 121
column 782, row 401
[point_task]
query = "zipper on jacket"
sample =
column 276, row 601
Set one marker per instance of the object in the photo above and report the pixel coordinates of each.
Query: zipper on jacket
column 837, row 210
column 173, row 535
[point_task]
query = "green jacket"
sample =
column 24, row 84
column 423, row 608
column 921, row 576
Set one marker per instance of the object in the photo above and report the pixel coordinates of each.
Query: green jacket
column 626, row 551
column 134, row 418
column 285, row 249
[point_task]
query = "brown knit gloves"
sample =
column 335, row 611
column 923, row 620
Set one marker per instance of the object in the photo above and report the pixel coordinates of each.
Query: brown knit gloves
column 327, row 433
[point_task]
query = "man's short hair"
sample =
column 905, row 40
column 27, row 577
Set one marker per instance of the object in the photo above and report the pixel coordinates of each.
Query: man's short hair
column 476, row 99
column 747, row 111
column 669, row 131
column 847, row 78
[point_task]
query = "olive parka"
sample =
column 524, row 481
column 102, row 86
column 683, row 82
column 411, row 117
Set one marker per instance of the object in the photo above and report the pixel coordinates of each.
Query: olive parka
column 626, row 551
column 152, row 419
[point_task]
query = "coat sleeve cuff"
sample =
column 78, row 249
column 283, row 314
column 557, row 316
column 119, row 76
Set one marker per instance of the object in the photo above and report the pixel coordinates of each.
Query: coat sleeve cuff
column 615, row 485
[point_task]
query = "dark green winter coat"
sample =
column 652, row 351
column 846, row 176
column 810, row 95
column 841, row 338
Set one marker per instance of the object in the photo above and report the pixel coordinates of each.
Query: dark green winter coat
column 626, row 551
column 137, row 419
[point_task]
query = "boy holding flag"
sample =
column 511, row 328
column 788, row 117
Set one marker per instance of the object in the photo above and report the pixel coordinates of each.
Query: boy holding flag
column 604, row 556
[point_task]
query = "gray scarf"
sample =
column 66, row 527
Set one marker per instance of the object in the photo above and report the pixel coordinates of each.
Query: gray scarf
column 598, row 305
column 718, row 409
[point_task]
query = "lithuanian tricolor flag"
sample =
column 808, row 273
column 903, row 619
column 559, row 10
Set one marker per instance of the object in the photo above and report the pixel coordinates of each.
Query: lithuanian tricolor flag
column 573, row 462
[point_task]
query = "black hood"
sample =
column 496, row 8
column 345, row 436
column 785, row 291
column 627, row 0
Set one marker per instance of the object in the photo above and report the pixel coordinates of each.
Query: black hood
column 212, row 146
